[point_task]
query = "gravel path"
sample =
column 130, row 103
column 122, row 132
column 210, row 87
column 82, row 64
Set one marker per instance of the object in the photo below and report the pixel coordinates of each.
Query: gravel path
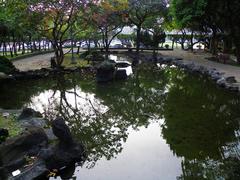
column 33, row 63
column 199, row 59
column 43, row 61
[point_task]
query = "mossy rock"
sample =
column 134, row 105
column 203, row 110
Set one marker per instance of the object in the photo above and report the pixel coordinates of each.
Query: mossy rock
column 106, row 65
column 92, row 56
column 6, row 65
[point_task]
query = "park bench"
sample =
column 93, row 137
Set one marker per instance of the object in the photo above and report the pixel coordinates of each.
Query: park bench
column 223, row 57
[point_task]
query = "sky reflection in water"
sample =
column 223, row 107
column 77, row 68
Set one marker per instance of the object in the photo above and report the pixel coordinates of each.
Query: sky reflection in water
column 159, row 124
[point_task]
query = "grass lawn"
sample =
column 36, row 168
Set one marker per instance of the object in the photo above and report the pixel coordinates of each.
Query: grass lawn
column 19, row 54
column 10, row 123
column 79, row 62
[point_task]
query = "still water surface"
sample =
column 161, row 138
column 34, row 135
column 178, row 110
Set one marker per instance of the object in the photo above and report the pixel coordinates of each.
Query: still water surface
column 161, row 123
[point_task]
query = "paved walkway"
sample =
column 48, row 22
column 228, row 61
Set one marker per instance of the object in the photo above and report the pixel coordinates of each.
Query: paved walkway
column 43, row 61
column 199, row 59
column 34, row 62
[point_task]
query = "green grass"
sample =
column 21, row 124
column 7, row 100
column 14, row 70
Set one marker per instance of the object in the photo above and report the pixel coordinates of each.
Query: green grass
column 19, row 54
column 10, row 123
column 79, row 62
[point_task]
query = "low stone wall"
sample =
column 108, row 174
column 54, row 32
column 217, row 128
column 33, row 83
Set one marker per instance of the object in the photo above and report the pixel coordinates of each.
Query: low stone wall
column 227, row 82
column 44, row 73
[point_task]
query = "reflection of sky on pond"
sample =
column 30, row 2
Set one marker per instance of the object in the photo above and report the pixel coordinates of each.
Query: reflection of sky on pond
column 87, row 103
column 145, row 156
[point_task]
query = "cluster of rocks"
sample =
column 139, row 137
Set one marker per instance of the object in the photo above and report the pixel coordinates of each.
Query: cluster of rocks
column 227, row 82
column 39, row 149
column 44, row 72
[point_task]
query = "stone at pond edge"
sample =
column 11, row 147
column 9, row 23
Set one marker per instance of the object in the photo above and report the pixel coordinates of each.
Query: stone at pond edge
column 28, row 113
column 61, row 155
column 62, row 131
column 32, row 172
column 231, row 79
column 6, row 66
column 28, row 143
column 3, row 134
column 33, row 122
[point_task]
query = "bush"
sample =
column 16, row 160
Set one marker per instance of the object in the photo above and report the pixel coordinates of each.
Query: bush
column 92, row 56
column 106, row 65
column 167, row 46
column 84, row 54
column 6, row 65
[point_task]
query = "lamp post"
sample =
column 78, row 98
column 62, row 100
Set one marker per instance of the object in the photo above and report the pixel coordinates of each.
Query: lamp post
column 73, row 60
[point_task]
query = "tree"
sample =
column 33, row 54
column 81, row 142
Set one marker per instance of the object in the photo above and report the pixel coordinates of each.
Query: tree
column 187, row 15
column 109, row 18
column 56, row 18
column 140, row 10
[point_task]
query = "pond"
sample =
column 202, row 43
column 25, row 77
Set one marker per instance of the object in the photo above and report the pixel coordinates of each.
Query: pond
column 161, row 123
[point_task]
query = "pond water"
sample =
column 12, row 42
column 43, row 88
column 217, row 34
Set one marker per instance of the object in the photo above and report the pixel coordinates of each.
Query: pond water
column 162, row 123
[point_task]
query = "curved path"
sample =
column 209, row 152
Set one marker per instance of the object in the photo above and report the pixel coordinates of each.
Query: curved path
column 199, row 59
column 43, row 61
column 34, row 62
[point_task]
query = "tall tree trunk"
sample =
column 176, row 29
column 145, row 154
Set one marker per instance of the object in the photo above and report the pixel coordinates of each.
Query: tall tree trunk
column 14, row 45
column 191, row 41
column 23, row 47
column 237, row 46
column 213, row 44
column 138, row 38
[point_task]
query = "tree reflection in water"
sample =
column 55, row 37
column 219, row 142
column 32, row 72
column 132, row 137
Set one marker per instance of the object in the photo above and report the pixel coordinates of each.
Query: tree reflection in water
column 100, row 115
column 201, row 125
column 201, row 122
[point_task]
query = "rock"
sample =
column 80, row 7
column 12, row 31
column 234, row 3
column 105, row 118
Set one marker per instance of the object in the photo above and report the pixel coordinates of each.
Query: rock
column 33, row 122
column 105, row 71
column 5, row 114
column 62, row 131
column 3, row 134
column 50, row 134
column 215, row 76
column 6, row 66
column 121, row 74
column 221, row 82
column 34, row 171
column 27, row 143
column 29, row 113
column 65, row 155
column 53, row 62
column 3, row 76
column 232, row 87
column 231, row 79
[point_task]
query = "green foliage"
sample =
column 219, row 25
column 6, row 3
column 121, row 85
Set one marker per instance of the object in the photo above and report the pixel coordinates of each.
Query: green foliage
column 6, row 65
column 106, row 66
column 10, row 123
column 187, row 14
column 79, row 62
column 92, row 56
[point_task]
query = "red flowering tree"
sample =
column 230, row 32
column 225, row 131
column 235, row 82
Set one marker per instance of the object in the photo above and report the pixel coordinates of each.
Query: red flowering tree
column 109, row 17
column 56, row 19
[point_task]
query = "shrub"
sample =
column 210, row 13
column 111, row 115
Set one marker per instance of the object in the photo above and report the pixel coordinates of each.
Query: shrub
column 167, row 46
column 6, row 65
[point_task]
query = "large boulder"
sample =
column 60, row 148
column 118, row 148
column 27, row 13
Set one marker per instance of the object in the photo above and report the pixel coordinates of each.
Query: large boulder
column 105, row 71
column 6, row 66
column 62, row 131
column 29, row 113
column 63, row 155
column 3, row 134
column 32, row 172
column 15, row 149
